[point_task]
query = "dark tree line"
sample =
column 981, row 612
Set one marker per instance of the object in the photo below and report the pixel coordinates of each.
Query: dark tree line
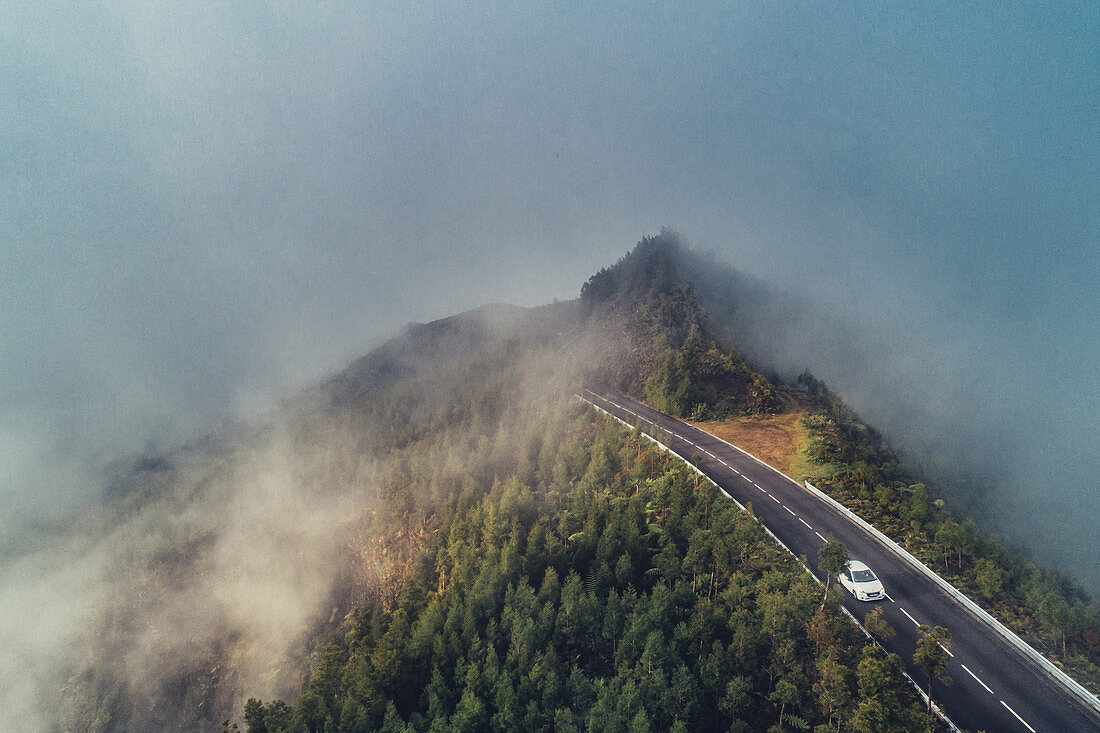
column 1042, row 605
column 678, row 365
column 622, row 597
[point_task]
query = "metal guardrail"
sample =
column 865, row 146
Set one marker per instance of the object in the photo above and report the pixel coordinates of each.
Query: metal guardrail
column 1008, row 634
column 1049, row 668
column 920, row 691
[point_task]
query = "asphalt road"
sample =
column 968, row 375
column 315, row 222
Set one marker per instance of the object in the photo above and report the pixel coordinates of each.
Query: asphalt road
column 995, row 687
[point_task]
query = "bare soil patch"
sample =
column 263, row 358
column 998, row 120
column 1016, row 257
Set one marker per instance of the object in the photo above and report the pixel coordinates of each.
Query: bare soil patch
column 781, row 441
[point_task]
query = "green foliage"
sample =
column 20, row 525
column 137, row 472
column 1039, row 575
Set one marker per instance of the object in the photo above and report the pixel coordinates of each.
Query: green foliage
column 619, row 596
column 859, row 469
column 669, row 386
column 879, row 709
column 877, row 626
column 931, row 656
column 990, row 577
column 677, row 362
column 833, row 557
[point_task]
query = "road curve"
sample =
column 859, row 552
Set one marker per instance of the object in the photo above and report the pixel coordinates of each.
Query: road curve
column 995, row 687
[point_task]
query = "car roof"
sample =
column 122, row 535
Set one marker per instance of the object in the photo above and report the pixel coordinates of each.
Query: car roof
column 857, row 565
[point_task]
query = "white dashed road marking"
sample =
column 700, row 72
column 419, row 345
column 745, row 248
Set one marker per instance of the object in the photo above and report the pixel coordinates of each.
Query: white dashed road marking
column 978, row 679
column 823, row 539
column 1017, row 716
column 947, row 650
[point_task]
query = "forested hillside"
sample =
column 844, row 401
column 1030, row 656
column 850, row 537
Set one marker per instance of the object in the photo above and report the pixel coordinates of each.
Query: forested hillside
column 441, row 537
column 217, row 565
column 848, row 458
column 853, row 462
column 615, row 592
column 671, row 355
column 549, row 571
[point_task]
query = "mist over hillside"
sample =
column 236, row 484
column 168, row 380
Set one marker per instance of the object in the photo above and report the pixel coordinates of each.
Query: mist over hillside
column 212, row 207
column 202, row 571
column 205, row 571
column 1002, row 441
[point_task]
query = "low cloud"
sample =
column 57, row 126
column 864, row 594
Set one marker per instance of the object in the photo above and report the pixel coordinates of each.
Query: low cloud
column 194, row 583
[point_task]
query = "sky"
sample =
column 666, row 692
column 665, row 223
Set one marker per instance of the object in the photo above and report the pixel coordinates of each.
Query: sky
column 205, row 207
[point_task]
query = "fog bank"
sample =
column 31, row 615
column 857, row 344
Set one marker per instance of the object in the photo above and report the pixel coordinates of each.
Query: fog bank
column 208, row 208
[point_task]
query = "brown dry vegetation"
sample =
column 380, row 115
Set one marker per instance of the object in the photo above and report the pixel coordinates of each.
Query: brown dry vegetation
column 781, row 441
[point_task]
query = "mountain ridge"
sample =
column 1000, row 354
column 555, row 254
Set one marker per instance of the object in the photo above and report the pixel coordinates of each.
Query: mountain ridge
column 335, row 504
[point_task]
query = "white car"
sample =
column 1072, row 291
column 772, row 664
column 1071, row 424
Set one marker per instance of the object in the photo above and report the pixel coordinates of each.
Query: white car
column 861, row 582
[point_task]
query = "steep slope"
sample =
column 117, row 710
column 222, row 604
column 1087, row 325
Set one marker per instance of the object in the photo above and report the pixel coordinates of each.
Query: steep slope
column 228, row 569
column 671, row 354
column 620, row 593
column 921, row 508
column 918, row 501
column 208, row 570
column 552, row 509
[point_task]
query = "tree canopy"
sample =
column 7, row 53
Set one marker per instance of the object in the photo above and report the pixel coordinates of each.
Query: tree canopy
column 622, row 597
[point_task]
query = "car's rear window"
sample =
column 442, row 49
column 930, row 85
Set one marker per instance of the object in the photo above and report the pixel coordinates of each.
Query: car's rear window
column 863, row 576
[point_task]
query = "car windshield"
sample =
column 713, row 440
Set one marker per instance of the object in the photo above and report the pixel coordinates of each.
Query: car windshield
column 863, row 576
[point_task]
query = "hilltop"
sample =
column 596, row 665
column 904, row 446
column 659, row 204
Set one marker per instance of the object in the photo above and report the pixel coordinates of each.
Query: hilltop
column 810, row 431
column 439, row 535
column 548, row 570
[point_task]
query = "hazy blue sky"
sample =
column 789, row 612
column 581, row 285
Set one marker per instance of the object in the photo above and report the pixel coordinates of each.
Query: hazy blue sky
column 205, row 206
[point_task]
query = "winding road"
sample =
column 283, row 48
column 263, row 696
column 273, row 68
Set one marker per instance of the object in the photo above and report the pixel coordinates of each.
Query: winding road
column 996, row 687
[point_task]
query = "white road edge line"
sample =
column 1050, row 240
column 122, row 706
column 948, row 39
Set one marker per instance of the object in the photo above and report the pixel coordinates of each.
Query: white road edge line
column 909, row 617
column 976, row 677
column 804, row 522
column 777, row 540
column 1017, row 716
column 789, row 511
